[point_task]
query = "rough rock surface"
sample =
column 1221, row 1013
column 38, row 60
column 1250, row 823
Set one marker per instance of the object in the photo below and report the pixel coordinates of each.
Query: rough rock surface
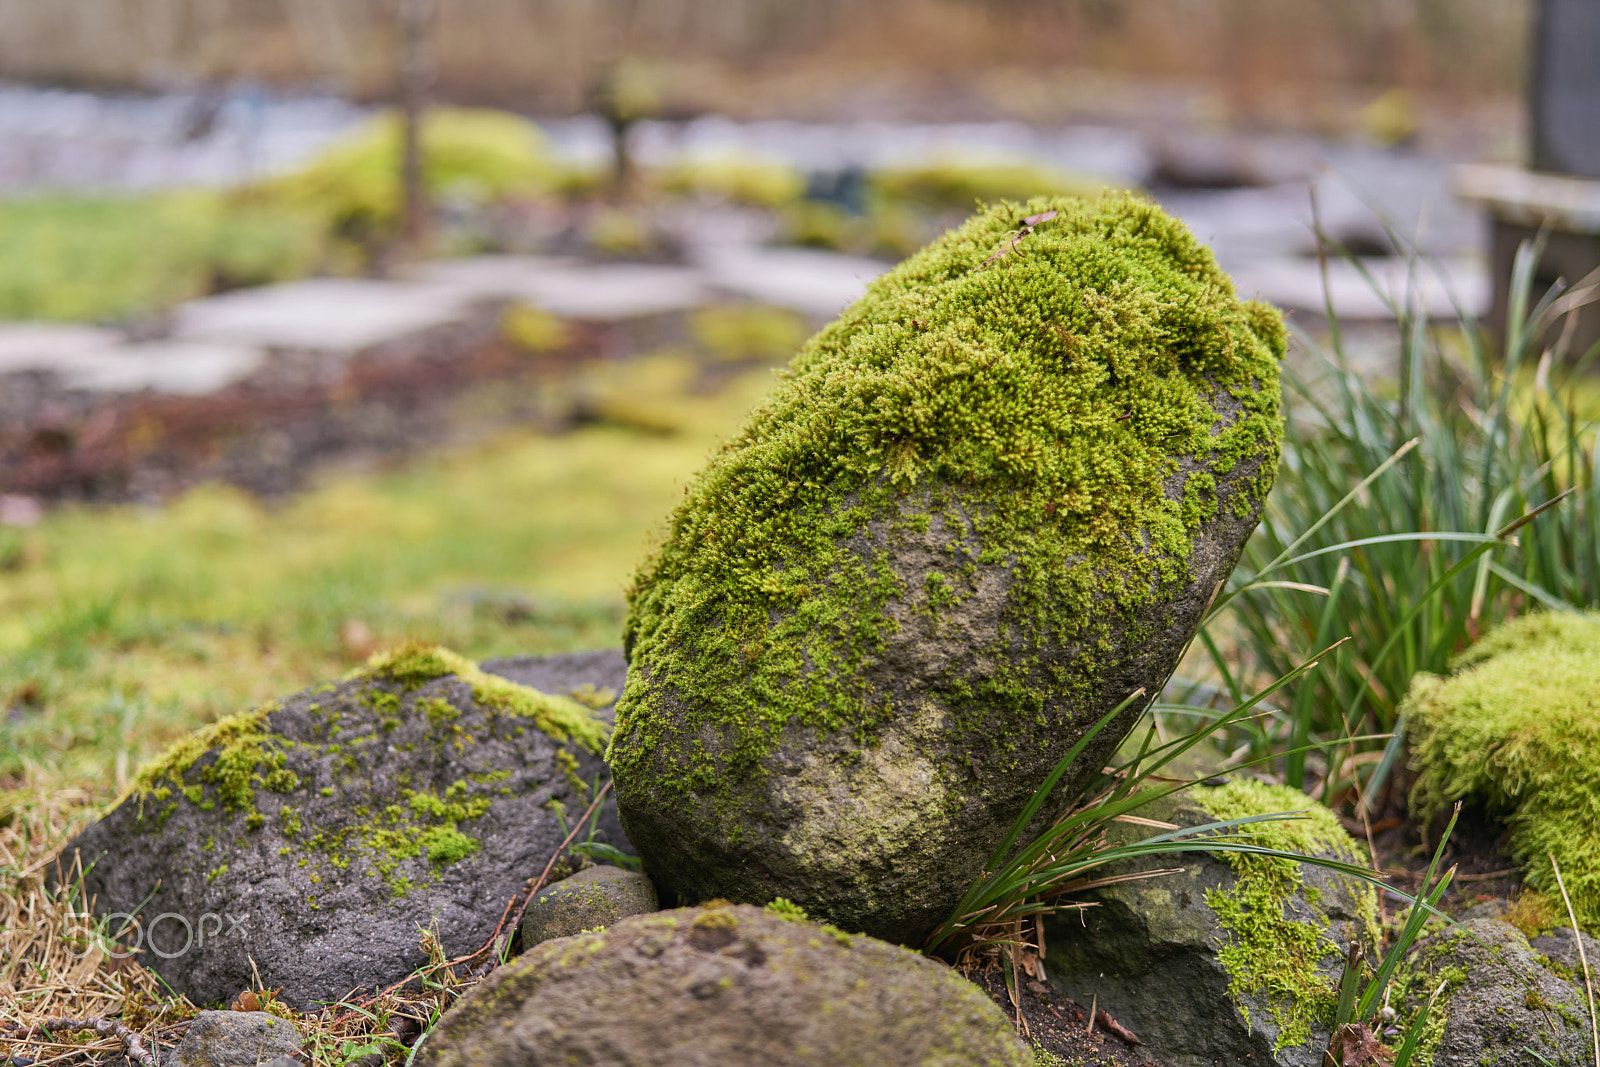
column 236, row 1039
column 985, row 506
column 1234, row 960
column 1560, row 947
column 315, row 835
column 1500, row 1004
column 594, row 898
column 717, row 986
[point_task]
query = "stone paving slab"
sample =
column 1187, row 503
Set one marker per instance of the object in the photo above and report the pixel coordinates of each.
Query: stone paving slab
column 177, row 368
column 571, row 289
column 46, row 346
column 1445, row 288
column 322, row 314
column 811, row 281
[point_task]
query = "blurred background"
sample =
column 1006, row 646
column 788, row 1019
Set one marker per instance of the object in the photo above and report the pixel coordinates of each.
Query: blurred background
column 328, row 323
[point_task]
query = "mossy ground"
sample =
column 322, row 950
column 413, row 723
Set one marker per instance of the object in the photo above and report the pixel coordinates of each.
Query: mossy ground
column 1038, row 389
column 1517, row 730
column 1268, row 954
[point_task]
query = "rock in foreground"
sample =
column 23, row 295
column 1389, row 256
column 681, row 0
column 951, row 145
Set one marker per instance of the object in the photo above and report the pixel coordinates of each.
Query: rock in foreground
column 1237, row 958
column 1499, row 1002
column 718, row 986
column 315, row 835
column 987, row 504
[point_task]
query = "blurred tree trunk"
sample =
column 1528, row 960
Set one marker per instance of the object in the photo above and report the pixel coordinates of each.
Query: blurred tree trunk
column 416, row 74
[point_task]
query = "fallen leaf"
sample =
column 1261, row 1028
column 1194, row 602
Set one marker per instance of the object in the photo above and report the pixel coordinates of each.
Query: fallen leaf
column 1354, row 1045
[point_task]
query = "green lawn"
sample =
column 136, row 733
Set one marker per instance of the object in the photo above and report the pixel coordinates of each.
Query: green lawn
column 123, row 628
column 106, row 257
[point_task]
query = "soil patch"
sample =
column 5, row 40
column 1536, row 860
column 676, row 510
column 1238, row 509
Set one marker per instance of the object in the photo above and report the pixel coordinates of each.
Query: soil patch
column 1060, row 1025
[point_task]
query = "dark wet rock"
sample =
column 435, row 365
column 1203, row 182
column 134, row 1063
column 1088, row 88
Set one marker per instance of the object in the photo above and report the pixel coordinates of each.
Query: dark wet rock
column 1560, row 947
column 594, row 898
column 987, row 504
column 1234, row 960
column 1500, row 1005
column 315, row 835
column 236, row 1039
column 717, row 986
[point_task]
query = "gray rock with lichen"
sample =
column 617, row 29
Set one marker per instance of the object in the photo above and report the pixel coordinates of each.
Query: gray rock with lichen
column 983, row 507
column 236, row 1039
column 1500, row 1003
column 592, row 899
column 717, row 986
column 309, row 840
column 1560, row 947
column 1234, row 959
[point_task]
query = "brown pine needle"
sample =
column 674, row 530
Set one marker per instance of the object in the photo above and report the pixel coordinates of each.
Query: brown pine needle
column 1583, row 958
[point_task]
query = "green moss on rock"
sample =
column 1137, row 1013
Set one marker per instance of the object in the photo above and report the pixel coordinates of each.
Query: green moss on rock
column 976, row 504
column 1041, row 399
column 1517, row 729
column 412, row 665
column 1269, row 953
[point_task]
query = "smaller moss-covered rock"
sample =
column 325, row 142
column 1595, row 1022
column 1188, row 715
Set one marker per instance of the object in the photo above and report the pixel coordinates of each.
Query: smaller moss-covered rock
column 592, row 899
column 308, row 840
column 236, row 1039
column 722, row 985
column 1499, row 1001
column 1516, row 729
column 1235, row 958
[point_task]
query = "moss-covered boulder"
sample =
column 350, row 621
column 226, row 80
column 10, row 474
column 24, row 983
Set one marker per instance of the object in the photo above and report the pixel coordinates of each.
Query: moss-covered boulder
column 723, row 985
column 307, row 841
column 1515, row 730
column 1499, row 1001
column 1235, row 959
column 983, row 507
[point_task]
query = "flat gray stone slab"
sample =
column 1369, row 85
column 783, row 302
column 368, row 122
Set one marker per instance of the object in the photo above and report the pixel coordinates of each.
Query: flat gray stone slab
column 1444, row 287
column 322, row 314
column 1523, row 196
column 46, row 346
column 571, row 289
column 807, row 280
column 181, row 368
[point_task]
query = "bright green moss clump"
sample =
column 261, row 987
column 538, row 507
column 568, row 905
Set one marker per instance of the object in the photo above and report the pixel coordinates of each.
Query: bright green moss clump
column 1064, row 398
column 1269, row 954
column 413, row 665
column 1517, row 729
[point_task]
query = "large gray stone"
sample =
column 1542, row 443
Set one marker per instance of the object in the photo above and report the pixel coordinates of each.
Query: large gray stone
column 1500, row 1004
column 720, row 986
column 313, row 837
column 1225, row 962
column 236, row 1039
column 986, row 505
column 594, row 898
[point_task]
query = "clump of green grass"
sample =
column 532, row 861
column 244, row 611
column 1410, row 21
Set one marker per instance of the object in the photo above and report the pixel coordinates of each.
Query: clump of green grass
column 1390, row 524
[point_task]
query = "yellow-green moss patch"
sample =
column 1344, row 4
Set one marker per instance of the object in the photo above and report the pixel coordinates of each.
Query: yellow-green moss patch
column 1517, row 729
column 1037, row 392
column 562, row 719
column 1268, row 954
